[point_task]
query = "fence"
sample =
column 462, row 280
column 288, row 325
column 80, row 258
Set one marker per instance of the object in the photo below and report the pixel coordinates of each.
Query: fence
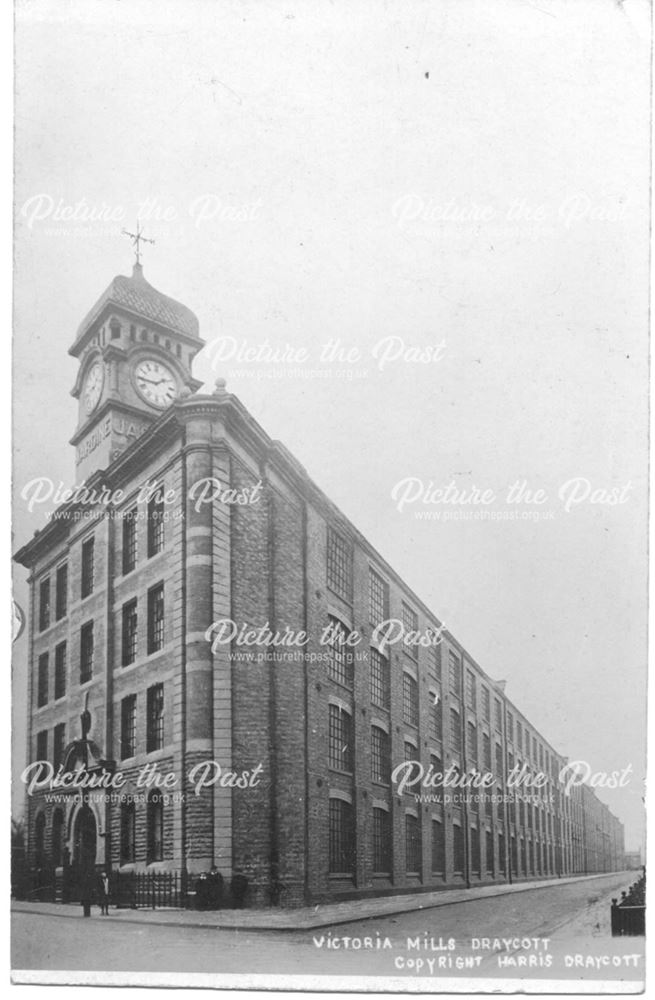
column 628, row 916
column 149, row 889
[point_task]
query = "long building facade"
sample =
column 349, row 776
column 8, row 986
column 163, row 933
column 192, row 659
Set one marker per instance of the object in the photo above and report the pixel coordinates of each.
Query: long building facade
column 253, row 683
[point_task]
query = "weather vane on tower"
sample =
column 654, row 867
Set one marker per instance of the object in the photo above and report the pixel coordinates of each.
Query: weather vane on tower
column 137, row 238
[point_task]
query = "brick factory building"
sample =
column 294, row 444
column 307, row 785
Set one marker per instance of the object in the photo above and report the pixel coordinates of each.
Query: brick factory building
column 124, row 593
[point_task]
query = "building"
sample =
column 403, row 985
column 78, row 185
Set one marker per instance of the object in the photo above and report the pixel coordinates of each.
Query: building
column 281, row 742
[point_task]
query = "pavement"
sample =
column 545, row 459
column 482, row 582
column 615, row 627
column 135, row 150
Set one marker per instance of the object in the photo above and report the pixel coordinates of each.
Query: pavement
column 308, row 917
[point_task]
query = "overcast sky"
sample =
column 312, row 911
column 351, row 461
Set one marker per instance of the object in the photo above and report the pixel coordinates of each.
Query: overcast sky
column 466, row 176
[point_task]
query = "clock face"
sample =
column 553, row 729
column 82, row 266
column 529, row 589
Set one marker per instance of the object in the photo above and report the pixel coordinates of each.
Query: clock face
column 156, row 382
column 93, row 386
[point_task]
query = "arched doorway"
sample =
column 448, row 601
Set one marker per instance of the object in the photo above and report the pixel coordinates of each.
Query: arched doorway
column 83, row 861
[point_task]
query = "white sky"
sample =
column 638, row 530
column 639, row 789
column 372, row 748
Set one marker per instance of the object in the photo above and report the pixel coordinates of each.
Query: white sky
column 317, row 121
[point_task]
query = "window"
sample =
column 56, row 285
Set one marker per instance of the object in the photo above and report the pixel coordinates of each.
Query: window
column 129, row 632
column 378, row 598
column 42, row 691
column 412, row 844
column 39, row 839
column 155, row 524
column 155, row 825
column 42, row 745
column 489, row 851
column 436, row 716
column 410, row 624
column 128, row 833
column 438, row 848
column 472, row 743
column 88, row 566
column 527, row 743
column 381, row 841
column 86, row 652
column 453, row 671
column 455, row 732
column 128, row 727
column 58, row 744
column 57, row 837
column 486, row 751
column 340, row 837
column 499, row 762
column 534, row 749
column 410, row 751
column 340, row 755
column 458, row 849
column 155, row 718
column 486, row 705
column 434, row 662
column 340, row 665
column 380, row 755
column 510, row 727
column 519, row 735
column 155, row 618
column 129, row 540
column 60, row 670
column 44, row 604
column 475, row 850
column 339, row 565
column 471, row 694
column 410, row 700
column 380, row 687
column 61, row 591
column 498, row 715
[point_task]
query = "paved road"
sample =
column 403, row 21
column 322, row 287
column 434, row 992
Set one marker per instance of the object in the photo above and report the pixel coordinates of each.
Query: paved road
column 529, row 934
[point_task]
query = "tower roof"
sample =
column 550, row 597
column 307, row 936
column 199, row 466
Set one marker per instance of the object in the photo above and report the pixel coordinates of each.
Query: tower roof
column 138, row 296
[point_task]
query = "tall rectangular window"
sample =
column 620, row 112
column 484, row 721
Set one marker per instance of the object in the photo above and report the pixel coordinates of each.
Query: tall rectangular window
column 380, row 685
column 486, row 705
column 129, row 638
column 339, row 565
column 410, row 624
column 340, row 750
column 155, row 618
column 378, row 598
column 155, row 718
column 455, row 732
column 454, row 672
column 340, row 664
column 458, row 849
column 434, row 662
column 128, row 727
column 42, row 745
column 381, row 841
column 410, row 700
column 438, row 848
column 130, row 540
column 61, row 591
column 436, row 716
column 155, row 822
column 42, row 687
column 412, row 844
column 58, row 744
column 510, row 727
column 60, row 670
column 341, row 840
column 128, row 832
column 498, row 715
column 380, row 755
column 86, row 652
column 489, row 851
column 527, row 743
column 475, row 850
column 88, row 566
column 519, row 735
column 471, row 696
column 44, row 604
column 472, row 743
column 486, row 752
column 155, row 525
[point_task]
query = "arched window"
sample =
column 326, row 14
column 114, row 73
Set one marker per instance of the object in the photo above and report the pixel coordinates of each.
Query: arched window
column 39, row 839
column 155, row 826
column 57, row 837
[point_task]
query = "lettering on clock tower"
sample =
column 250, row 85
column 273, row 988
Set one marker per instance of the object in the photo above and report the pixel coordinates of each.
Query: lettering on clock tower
column 125, row 428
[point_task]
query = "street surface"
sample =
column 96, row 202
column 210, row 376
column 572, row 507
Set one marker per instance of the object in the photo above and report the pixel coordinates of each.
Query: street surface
column 554, row 933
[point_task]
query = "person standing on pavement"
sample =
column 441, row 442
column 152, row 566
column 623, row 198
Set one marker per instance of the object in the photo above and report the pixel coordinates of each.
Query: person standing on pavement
column 103, row 893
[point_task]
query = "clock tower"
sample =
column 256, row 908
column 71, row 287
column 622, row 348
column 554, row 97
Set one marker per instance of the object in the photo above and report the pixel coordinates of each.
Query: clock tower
column 135, row 348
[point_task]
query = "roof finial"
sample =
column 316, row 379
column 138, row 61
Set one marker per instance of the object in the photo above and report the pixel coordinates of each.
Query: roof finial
column 137, row 238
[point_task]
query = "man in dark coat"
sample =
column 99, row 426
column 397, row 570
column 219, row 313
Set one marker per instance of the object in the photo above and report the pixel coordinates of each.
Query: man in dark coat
column 102, row 890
